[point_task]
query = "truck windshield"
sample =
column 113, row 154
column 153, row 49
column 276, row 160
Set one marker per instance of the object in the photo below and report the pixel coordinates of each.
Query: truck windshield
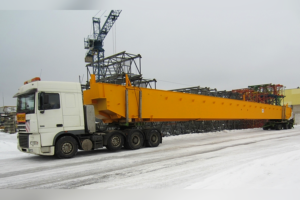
column 25, row 103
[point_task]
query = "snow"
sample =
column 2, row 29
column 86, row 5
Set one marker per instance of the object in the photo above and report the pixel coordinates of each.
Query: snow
column 275, row 172
column 236, row 159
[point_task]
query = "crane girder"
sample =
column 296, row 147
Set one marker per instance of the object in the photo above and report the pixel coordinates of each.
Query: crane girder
column 124, row 103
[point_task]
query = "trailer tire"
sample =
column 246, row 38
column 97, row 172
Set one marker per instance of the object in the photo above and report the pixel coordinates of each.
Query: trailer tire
column 153, row 139
column 66, row 147
column 115, row 141
column 135, row 140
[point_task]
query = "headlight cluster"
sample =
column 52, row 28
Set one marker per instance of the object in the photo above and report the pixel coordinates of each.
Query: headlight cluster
column 34, row 143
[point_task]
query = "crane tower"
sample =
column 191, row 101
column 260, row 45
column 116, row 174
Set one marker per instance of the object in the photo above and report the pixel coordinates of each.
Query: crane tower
column 94, row 43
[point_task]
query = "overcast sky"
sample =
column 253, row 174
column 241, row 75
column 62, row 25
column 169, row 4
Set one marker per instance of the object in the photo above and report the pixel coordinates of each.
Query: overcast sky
column 218, row 47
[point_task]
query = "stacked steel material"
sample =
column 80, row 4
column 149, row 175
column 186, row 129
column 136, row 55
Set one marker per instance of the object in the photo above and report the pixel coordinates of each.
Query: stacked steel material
column 10, row 123
column 7, row 119
column 210, row 92
column 266, row 93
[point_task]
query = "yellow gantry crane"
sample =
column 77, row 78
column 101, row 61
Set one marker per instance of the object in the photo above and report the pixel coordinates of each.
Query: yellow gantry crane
column 128, row 104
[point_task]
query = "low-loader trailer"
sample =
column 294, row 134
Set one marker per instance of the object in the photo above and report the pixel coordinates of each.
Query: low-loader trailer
column 57, row 118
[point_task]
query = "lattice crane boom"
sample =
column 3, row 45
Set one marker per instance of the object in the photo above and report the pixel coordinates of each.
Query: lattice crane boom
column 111, row 19
column 94, row 43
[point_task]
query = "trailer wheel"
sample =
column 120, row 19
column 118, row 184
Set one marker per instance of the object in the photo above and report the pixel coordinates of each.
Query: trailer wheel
column 135, row 140
column 66, row 147
column 153, row 139
column 115, row 141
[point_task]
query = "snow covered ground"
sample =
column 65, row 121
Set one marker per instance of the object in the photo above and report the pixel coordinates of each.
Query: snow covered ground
column 238, row 159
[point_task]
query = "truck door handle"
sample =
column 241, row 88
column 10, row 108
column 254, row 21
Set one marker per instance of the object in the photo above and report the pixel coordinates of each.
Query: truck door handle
column 59, row 125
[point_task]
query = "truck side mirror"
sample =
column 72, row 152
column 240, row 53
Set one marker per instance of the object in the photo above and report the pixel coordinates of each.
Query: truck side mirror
column 43, row 100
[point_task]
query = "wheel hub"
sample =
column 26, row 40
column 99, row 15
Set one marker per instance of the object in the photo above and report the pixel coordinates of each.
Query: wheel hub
column 135, row 140
column 116, row 141
column 67, row 148
column 154, row 138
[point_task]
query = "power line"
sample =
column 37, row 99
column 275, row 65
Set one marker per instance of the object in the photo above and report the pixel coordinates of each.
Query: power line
column 103, row 13
column 97, row 13
column 99, row 17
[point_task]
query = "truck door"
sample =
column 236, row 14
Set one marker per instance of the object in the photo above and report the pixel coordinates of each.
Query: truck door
column 50, row 120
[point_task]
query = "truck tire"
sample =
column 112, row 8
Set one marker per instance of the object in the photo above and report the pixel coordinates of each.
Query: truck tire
column 153, row 139
column 265, row 128
column 66, row 147
column 115, row 141
column 135, row 140
column 285, row 126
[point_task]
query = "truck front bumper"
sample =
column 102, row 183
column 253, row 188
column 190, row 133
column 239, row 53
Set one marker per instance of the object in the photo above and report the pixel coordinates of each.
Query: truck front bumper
column 45, row 151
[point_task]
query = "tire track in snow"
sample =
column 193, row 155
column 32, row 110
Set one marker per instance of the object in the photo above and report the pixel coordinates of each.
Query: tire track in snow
column 94, row 175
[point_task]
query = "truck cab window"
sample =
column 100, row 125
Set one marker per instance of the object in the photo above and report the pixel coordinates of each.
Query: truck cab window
column 25, row 103
column 49, row 101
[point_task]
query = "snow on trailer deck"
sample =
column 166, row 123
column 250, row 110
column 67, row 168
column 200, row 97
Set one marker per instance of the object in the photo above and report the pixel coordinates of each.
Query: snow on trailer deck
column 250, row 158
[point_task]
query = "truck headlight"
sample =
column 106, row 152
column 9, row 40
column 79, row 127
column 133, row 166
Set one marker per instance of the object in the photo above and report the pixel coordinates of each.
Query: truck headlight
column 32, row 143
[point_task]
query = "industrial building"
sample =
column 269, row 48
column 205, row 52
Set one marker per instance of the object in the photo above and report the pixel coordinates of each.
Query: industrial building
column 292, row 98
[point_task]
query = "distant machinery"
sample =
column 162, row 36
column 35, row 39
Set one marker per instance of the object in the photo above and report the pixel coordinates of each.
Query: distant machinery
column 210, row 92
column 94, row 43
column 7, row 119
column 266, row 93
column 112, row 69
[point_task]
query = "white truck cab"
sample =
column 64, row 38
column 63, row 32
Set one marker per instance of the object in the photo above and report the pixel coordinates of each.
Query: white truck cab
column 44, row 111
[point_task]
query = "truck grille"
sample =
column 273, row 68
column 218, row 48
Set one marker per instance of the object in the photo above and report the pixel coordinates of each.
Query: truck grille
column 24, row 140
column 21, row 127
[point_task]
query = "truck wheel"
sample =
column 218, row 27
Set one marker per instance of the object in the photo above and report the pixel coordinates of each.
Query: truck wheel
column 135, row 140
column 115, row 141
column 285, row 126
column 153, row 139
column 265, row 128
column 66, row 147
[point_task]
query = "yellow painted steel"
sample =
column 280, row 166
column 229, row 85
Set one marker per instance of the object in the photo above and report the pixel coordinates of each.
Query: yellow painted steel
column 21, row 117
column 146, row 104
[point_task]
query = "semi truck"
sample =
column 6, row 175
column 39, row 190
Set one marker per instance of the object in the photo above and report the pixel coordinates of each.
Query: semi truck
column 58, row 118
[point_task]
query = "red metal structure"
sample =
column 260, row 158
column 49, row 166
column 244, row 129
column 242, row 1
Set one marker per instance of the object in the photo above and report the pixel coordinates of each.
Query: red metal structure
column 266, row 93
